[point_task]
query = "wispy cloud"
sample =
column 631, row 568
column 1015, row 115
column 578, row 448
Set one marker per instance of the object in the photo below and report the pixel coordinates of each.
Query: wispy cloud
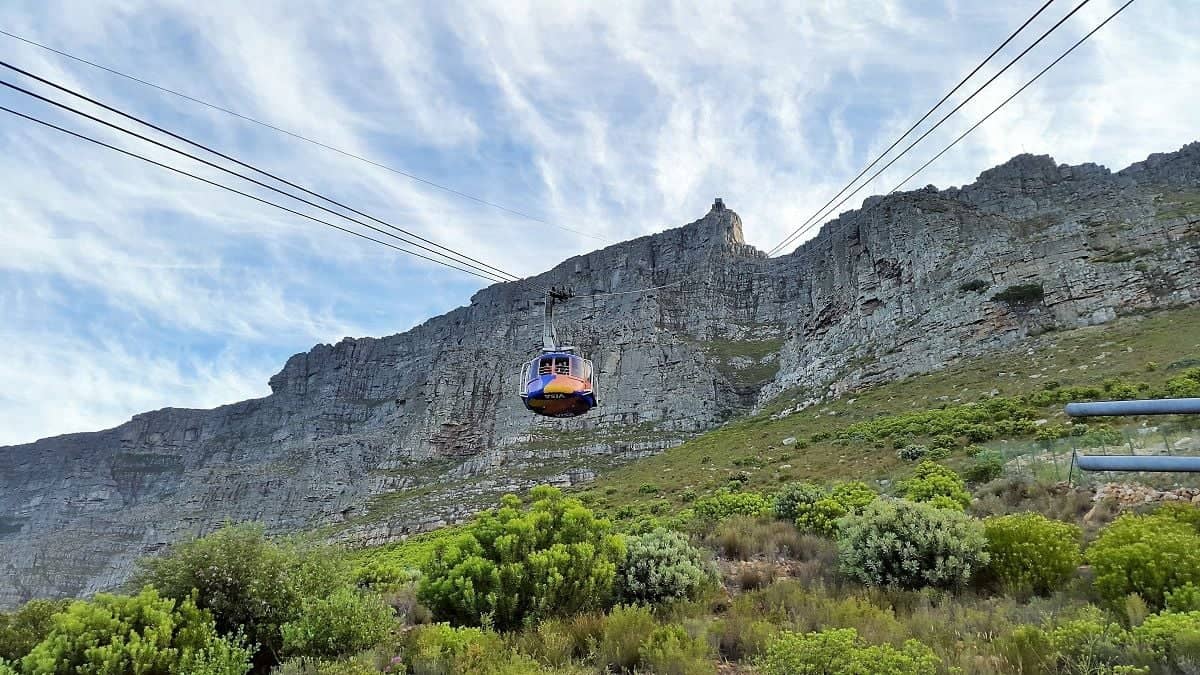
column 125, row 288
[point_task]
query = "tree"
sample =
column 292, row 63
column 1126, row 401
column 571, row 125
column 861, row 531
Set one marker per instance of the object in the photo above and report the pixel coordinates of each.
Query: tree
column 515, row 563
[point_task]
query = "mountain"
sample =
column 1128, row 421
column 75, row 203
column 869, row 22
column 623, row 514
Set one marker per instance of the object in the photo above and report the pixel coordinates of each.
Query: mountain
column 373, row 438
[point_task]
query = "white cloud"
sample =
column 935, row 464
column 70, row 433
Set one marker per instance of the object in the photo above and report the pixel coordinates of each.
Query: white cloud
column 616, row 119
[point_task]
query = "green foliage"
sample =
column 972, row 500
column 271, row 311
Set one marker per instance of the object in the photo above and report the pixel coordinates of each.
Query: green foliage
column 1161, row 633
column 1185, row 598
column 21, row 630
column 626, row 629
column 911, row 453
column 725, row 504
column 821, row 516
column 6, row 668
column 1021, row 294
column 246, row 581
column 671, row 651
column 552, row 558
column 977, row 422
column 1150, row 555
column 145, row 634
column 345, row 622
column 1187, row 385
column 987, row 466
column 974, row 286
column 661, row 566
column 1030, row 552
column 795, row 496
column 931, row 480
column 911, row 545
column 440, row 649
column 841, row 652
column 306, row 666
column 1089, row 644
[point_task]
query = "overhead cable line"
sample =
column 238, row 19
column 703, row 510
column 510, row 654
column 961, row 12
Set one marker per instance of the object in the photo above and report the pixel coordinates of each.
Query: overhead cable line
column 256, row 181
column 465, row 258
column 441, row 250
column 236, row 191
column 929, row 112
column 1014, row 95
column 812, row 222
column 301, row 137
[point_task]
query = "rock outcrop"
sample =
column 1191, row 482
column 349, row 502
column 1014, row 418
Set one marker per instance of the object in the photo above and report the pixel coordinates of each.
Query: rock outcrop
column 373, row 438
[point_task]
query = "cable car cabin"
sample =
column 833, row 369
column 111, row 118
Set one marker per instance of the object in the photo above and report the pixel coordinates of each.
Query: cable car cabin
column 558, row 384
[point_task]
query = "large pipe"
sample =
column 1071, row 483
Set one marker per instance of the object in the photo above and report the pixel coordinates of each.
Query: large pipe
column 1162, row 406
column 1157, row 463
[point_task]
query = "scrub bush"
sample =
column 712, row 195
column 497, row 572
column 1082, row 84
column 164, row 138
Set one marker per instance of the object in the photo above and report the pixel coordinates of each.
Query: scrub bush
column 725, row 504
column 1030, row 552
column 246, row 581
column 911, row 545
column 671, row 651
column 931, row 480
column 20, row 631
column 517, row 563
column 796, row 496
column 345, row 622
column 841, row 652
column 1151, row 555
column 145, row 633
column 985, row 468
column 626, row 629
column 661, row 566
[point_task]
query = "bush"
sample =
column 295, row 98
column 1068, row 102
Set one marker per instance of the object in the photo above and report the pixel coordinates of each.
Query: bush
column 1089, row 644
column 440, row 649
column 661, row 566
column 794, row 497
column 626, row 629
column 821, row 517
column 931, row 480
column 246, row 581
column 344, row 623
column 21, row 630
column 841, row 652
column 1186, row 598
column 1030, row 552
column 144, row 633
column 911, row 453
column 1021, row 294
column 303, row 666
column 552, row 558
column 725, row 504
column 974, row 286
column 671, row 651
column 911, row 545
column 6, row 668
column 1148, row 555
column 1160, row 633
column 987, row 466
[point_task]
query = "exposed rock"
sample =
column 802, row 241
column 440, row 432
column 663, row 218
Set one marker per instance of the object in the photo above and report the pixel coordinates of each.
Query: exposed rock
column 378, row 438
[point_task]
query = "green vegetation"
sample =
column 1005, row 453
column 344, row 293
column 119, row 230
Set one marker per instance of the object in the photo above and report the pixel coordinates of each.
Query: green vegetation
column 1021, row 294
column 974, row 286
column 516, row 564
column 735, row 548
column 1031, row 553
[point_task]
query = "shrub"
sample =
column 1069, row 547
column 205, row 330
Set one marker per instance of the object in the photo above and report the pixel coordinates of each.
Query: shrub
column 303, row 666
column 345, row 622
column 1030, row 552
column 1021, row 294
column 21, row 630
column 821, row 517
column 931, row 480
column 671, row 651
column 795, row 496
column 1089, row 644
column 1186, row 598
column 841, row 652
column 626, row 629
column 974, row 286
column 725, row 504
column 987, row 466
column 818, row 510
column 246, row 581
column 911, row 453
column 661, row 566
column 552, row 558
column 6, row 668
column 1160, row 633
column 439, row 649
column 911, row 545
column 143, row 633
column 1148, row 555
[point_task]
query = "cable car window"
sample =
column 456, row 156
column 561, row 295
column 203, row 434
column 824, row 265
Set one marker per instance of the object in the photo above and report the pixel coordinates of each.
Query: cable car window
column 546, row 367
column 562, row 366
column 583, row 369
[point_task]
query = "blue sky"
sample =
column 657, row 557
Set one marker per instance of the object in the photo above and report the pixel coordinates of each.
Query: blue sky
column 124, row 288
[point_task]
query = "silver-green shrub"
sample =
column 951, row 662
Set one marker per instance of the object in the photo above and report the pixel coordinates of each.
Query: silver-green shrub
column 661, row 566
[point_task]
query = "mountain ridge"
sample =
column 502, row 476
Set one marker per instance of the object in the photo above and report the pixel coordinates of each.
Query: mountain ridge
column 377, row 437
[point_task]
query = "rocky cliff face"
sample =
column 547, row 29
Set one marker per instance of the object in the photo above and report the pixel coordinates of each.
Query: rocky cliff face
column 372, row 438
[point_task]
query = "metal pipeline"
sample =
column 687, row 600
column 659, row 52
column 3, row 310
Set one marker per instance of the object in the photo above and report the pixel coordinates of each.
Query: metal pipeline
column 1155, row 463
column 1162, row 406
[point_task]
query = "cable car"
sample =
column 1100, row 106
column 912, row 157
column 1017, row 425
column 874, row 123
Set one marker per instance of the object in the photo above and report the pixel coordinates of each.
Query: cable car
column 558, row 383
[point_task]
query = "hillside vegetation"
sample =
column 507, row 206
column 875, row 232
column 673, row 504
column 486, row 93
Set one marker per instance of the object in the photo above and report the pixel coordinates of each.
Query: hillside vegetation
column 903, row 529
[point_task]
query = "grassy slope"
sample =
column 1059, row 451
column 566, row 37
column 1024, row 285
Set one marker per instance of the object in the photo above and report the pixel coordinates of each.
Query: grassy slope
column 1148, row 348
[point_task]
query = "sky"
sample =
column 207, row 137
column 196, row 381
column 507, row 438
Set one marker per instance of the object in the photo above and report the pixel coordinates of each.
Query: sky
column 126, row 288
